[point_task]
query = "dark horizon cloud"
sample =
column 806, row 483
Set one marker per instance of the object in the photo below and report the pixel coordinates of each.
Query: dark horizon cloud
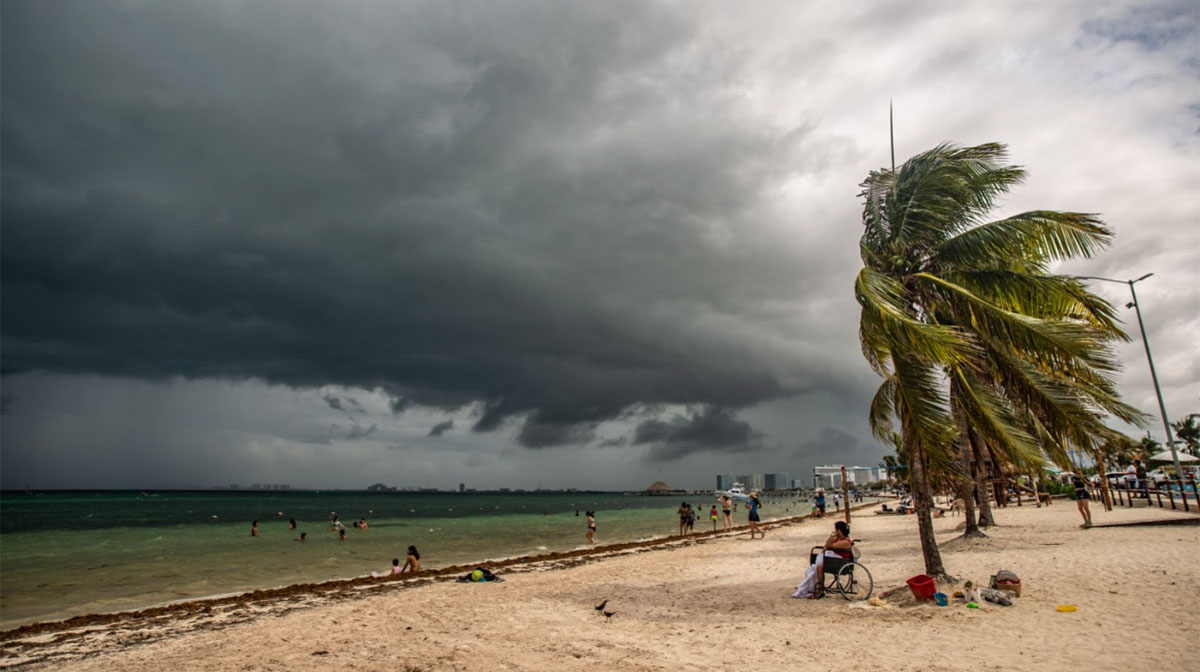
column 441, row 428
column 617, row 229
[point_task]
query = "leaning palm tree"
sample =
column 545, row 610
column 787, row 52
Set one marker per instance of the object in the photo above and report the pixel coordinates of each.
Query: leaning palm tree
column 978, row 343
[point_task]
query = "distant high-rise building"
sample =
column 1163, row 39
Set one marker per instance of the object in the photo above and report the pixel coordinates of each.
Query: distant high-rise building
column 776, row 481
column 830, row 476
column 462, row 487
column 724, row 481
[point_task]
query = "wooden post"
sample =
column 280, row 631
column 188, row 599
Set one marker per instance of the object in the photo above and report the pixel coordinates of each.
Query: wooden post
column 1108, row 503
column 845, row 498
column 1183, row 494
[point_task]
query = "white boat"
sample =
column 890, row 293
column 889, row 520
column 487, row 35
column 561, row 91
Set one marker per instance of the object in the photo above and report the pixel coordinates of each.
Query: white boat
column 737, row 492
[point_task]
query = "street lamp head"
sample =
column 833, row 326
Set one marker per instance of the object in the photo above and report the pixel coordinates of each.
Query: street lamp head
column 1141, row 278
column 1131, row 304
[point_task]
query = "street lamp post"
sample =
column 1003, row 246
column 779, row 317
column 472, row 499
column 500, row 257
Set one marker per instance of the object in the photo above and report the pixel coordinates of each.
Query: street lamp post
column 1162, row 408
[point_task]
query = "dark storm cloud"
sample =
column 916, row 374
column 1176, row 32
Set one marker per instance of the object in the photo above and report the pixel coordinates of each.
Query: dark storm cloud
column 357, row 431
column 441, row 428
column 525, row 207
column 705, row 429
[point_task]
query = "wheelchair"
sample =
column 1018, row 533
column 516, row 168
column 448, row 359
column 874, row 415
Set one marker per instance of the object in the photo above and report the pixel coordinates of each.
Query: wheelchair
column 845, row 577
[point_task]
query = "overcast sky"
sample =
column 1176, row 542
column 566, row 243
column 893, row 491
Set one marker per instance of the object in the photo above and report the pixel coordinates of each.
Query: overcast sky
column 574, row 244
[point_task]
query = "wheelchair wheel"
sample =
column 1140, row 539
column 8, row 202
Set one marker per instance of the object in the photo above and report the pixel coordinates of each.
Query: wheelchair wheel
column 854, row 582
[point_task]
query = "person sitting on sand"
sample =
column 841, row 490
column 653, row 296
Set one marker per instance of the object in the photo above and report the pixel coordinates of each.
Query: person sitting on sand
column 413, row 562
column 836, row 552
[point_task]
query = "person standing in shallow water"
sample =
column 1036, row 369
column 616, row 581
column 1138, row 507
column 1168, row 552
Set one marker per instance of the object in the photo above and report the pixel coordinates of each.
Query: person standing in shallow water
column 254, row 529
column 726, row 506
column 591, row 532
column 713, row 514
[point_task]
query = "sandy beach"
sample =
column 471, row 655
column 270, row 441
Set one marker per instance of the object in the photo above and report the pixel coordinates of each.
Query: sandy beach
column 704, row 604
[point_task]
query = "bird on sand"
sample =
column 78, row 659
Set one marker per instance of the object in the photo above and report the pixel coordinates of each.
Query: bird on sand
column 600, row 607
column 608, row 616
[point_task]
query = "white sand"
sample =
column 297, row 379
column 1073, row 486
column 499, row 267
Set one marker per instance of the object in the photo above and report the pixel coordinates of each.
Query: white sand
column 720, row 604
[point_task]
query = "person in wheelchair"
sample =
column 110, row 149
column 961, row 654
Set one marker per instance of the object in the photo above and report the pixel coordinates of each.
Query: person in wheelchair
column 835, row 553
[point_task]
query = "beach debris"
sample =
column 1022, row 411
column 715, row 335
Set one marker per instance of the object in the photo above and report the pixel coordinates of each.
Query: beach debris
column 972, row 605
column 320, row 653
column 1066, row 608
column 998, row 596
column 878, row 602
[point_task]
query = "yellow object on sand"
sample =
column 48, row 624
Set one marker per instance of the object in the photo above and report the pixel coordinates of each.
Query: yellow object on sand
column 1066, row 608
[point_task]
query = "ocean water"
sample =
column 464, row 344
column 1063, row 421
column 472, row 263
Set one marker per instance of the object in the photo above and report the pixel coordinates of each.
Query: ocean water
column 63, row 554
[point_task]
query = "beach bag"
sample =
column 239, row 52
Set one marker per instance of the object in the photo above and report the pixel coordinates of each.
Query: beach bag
column 1006, row 581
column 479, row 575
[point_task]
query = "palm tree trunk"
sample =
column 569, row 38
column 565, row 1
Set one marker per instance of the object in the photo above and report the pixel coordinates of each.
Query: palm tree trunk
column 965, row 485
column 981, row 485
column 918, row 477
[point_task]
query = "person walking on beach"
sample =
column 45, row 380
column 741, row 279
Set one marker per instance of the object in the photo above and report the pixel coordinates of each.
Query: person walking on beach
column 591, row 533
column 1081, row 500
column 837, row 502
column 753, row 516
column 413, row 562
column 726, row 505
column 254, row 529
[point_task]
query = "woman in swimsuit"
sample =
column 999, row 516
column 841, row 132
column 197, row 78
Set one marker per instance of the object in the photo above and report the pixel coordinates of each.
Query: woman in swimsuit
column 1081, row 500
column 726, row 504
column 753, row 504
column 591, row 533
column 683, row 510
column 413, row 563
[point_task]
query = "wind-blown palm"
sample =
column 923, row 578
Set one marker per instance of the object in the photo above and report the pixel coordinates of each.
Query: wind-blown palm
column 962, row 318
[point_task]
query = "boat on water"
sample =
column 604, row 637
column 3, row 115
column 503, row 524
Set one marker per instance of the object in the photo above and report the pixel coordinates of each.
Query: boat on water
column 738, row 491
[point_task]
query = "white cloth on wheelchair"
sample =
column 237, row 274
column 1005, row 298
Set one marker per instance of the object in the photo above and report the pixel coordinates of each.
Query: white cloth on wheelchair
column 809, row 584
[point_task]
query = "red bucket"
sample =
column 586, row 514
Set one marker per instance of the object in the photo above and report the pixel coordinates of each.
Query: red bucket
column 922, row 587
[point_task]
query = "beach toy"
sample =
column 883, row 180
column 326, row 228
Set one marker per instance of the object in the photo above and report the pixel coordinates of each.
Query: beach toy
column 1066, row 608
column 972, row 605
column 941, row 599
column 477, row 575
column 922, row 587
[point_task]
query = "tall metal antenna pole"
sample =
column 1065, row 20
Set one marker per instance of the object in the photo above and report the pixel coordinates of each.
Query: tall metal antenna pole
column 892, row 133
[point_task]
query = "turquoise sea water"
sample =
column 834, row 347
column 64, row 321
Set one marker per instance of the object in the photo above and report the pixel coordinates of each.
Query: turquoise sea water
column 64, row 554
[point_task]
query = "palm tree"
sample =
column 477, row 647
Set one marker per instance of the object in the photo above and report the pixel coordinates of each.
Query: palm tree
column 979, row 345
column 1188, row 431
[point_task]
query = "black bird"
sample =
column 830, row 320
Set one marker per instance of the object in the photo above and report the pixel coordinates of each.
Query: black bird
column 608, row 616
column 600, row 607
